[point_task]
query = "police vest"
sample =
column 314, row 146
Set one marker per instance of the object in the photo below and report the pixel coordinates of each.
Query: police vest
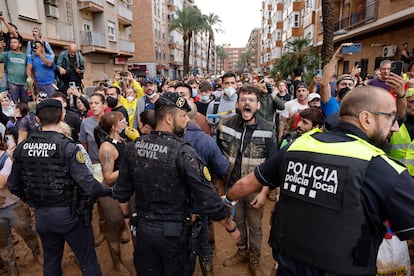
column 320, row 219
column 402, row 148
column 45, row 176
column 161, row 191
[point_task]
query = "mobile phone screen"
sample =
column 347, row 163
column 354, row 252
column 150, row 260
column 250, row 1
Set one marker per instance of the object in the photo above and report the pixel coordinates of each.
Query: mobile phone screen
column 397, row 67
column 10, row 140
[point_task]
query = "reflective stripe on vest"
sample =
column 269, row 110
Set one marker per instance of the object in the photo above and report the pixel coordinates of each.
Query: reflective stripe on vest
column 402, row 148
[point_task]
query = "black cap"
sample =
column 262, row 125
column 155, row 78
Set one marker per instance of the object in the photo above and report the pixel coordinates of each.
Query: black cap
column 172, row 99
column 149, row 80
column 48, row 103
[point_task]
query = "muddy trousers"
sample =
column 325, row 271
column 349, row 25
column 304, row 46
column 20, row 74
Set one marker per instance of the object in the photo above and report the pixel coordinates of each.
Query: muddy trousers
column 114, row 227
column 17, row 215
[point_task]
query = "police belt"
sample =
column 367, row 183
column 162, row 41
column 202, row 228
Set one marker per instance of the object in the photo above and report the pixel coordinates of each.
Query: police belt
column 155, row 218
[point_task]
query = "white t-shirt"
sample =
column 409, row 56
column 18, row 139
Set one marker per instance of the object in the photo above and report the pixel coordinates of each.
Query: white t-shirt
column 292, row 107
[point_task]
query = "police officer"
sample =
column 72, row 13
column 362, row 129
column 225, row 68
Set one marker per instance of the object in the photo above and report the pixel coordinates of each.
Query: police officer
column 47, row 172
column 166, row 175
column 337, row 189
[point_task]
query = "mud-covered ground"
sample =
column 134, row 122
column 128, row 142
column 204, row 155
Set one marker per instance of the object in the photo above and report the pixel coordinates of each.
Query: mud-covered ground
column 224, row 248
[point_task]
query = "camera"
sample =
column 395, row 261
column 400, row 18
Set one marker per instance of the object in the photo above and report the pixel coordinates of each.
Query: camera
column 34, row 46
column 123, row 74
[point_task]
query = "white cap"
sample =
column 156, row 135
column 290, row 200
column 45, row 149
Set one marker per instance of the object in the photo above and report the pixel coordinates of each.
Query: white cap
column 313, row 96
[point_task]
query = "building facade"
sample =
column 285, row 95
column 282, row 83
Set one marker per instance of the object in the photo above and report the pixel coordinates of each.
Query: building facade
column 100, row 28
column 380, row 26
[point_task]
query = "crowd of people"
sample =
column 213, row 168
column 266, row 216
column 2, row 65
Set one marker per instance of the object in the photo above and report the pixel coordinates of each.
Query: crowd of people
column 159, row 162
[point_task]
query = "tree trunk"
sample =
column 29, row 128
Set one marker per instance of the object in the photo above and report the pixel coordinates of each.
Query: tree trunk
column 328, row 30
column 208, row 54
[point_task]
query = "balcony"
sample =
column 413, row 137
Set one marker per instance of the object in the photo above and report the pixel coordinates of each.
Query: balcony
column 171, row 6
column 126, row 46
column 357, row 18
column 92, row 5
column 124, row 15
column 93, row 39
column 60, row 31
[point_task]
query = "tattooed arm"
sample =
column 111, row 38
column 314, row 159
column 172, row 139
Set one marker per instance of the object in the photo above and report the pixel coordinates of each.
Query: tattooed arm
column 107, row 156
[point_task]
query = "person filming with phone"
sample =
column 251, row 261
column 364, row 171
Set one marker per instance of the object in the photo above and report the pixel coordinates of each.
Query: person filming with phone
column 71, row 68
column 390, row 78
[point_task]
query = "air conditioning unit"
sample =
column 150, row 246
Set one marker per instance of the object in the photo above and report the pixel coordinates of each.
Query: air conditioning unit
column 389, row 51
column 52, row 11
column 51, row 2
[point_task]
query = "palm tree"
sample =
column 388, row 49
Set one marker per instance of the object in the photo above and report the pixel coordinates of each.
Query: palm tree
column 221, row 55
column 300, row 54
column 328, row 30
column 245, row 60
column 188, row 21
column 213, row 22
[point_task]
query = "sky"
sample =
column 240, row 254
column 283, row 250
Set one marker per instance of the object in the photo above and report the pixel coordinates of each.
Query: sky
column 239, row 18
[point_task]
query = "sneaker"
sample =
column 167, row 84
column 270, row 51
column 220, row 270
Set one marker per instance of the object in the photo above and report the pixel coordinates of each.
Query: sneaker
column 236, row 259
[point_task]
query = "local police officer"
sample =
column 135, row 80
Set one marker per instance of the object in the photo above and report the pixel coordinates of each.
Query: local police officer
column 48, row 172
column 166, row 175
column 337, row 190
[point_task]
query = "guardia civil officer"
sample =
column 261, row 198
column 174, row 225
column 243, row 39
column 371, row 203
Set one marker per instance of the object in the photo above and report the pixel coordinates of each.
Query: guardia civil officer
column 48, row 172
column 166, row 175
column 337, row 188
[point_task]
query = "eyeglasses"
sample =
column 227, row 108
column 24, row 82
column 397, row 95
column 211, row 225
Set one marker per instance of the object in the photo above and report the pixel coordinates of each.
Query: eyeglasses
column 392, row 114
column 243, row 100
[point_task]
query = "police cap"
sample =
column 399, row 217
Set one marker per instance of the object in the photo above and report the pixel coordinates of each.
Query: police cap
column 172, row 99
column 48, row 103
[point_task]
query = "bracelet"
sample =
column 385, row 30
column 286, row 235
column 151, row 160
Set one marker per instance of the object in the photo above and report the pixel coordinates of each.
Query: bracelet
column 403, row 96
column 232, row 230
column 125, row 216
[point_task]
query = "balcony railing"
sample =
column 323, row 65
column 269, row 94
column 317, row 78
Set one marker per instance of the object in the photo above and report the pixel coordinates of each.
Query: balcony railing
column 60, row 30
column 93, row 39
column 126, row 46
column 124, row 12
column 357, row 18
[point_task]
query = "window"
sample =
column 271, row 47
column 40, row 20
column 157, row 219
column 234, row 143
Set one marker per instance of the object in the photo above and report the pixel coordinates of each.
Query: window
column 296, row 20
column 111, row 31
column 28, row 9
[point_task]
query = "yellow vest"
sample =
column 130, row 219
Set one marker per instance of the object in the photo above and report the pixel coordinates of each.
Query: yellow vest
column 402, row 148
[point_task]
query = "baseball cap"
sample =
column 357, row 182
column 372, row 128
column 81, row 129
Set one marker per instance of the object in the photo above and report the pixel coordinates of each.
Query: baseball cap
column 48, row 103
column 313, row 96
column 344, row 77
column 149, row 80
column 172, row 99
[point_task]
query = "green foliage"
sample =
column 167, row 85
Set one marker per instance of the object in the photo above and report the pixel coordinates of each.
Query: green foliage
column 299, row 54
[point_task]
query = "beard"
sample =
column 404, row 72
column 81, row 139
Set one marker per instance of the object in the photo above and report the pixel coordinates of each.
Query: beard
column 177, row 130
column 380, row 142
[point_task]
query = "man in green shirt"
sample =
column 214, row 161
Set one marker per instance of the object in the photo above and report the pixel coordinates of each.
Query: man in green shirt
column 15, row 67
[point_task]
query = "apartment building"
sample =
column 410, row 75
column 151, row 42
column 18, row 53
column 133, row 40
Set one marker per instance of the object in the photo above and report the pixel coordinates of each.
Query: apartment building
column 380, row 26
column 233, row 55
column 159, row 52
column 100, row 28
column 253, row 46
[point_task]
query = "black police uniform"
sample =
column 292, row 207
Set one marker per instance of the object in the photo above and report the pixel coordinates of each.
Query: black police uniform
column 336, row 192
column 166, row 174
column 47, row 167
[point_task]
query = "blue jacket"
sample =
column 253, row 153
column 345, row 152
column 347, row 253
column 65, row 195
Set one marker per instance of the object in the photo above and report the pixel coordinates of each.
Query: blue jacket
column 207, row 149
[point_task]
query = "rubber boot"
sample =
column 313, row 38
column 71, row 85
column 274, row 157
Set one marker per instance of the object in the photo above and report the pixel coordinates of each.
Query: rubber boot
column 117, row 261
column 102, row 233
column 207, row 268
